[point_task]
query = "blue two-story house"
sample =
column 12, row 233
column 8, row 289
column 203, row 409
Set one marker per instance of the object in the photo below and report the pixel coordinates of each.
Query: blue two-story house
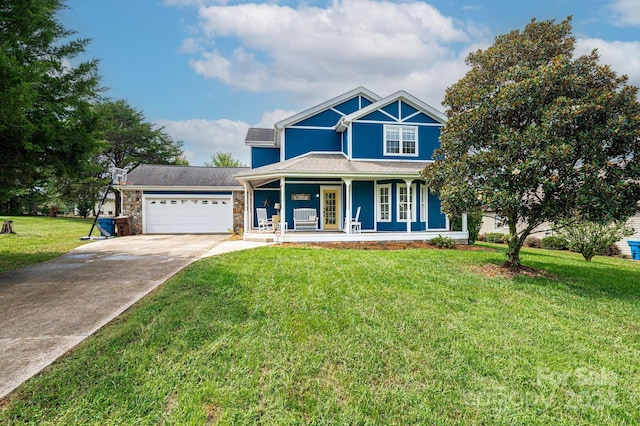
column 347, row 169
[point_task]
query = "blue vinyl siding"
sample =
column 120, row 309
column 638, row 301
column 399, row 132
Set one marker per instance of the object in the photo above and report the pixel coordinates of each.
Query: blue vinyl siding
column 345, row 142
column 363, row 196
column 349, row 106
column 406, row 110
column 301, row 188
column 437, row 219
column 429, row 140
column 422, row 118
column 264, row 156
column 326, row 118
column 303, row 141
column 365, row 102
column 272, row 196
column 367, row 140
column 392, row 109
column 377, row 116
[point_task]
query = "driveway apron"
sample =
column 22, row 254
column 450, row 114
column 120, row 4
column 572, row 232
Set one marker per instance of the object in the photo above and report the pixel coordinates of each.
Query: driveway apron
column 48, row 308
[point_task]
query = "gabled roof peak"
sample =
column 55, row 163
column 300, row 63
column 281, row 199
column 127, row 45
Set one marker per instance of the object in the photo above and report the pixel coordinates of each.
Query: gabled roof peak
column 358, row 91
column 400, row 95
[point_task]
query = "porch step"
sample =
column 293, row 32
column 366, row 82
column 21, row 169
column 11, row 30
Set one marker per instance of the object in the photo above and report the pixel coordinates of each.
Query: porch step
column 259, row 238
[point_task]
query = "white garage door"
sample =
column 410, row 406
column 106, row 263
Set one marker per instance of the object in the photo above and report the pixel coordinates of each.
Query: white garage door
column 188, row 215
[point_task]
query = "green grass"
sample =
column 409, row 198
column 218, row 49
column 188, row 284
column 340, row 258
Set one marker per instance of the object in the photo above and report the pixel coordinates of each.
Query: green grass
column 316, row 336
column 38, row 239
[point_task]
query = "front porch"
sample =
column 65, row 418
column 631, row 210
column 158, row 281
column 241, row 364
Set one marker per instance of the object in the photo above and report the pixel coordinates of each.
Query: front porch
column 340, row 236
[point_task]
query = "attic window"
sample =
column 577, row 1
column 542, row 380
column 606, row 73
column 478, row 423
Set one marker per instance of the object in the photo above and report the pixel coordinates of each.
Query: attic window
column 401, row 140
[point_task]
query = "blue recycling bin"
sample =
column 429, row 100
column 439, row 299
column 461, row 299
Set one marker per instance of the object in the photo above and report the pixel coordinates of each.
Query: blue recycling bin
column 635, row 249
column 108, row 224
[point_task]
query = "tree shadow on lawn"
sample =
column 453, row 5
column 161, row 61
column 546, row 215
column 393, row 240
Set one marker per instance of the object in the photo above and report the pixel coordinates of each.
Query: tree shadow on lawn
column 602, row 277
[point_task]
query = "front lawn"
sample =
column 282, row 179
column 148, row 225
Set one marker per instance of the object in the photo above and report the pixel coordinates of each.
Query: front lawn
column 318, row 336
column 39, row 238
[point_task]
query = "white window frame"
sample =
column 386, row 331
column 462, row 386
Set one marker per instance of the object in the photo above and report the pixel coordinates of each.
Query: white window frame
column 412, row 201
column 424, row 203
column 401, row 150
column 379, row 203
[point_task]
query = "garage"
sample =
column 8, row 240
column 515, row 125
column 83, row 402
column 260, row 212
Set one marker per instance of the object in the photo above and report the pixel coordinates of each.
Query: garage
column 164, row 199
column 182, row 214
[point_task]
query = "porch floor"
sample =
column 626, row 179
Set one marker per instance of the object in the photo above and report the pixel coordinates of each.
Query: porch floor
column 340, row 236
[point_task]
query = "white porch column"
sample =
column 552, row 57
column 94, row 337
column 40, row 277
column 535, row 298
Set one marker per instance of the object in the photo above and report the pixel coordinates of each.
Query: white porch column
column 347, row 211
column 247, row 211
column 464, row 222
column 283, row 203
column 409, row 199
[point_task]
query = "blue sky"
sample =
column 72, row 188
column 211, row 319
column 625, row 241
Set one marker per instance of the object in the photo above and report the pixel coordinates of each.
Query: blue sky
column 208, row 70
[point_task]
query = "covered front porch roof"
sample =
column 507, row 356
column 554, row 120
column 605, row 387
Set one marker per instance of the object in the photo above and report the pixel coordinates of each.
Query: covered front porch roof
column 334, row 165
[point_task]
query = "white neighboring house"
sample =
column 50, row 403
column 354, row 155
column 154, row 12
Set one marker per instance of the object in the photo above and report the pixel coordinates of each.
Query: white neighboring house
column 623, row 244
column 109, row 206
column 492, row 222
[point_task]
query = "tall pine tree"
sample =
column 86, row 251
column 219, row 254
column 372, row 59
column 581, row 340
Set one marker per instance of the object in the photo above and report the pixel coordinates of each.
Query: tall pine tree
column 46, row 117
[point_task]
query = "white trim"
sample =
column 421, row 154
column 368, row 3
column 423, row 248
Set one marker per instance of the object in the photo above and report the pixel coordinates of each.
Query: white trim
column 378, row 207
column 332, row 128
column 412, row 202
column 410, row 116
column 316, row 182
column 424, row 205
column 178, row 188
column 398, row 96
column 358, row 91
column 350, row 143
column 398, row 123
column 387, row 160
column 400, row 129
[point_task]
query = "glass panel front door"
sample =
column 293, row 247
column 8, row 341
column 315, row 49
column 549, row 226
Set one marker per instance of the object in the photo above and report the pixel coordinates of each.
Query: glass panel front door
column 330, row 208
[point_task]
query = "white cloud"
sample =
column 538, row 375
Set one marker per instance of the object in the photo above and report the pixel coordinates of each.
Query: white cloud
column 272, row 117
column 203, row 138
column 622, row 56
column 314, row 53
column 627, row 12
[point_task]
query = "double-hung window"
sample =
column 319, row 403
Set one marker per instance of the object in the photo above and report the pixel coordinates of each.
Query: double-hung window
column 406, row 202
column 401, row 140
column 384, row 203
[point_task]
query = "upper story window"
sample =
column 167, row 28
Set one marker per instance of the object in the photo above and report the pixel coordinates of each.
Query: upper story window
column 401, row 140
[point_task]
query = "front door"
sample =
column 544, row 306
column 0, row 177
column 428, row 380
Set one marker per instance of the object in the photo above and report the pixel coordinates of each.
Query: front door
column 330, row 208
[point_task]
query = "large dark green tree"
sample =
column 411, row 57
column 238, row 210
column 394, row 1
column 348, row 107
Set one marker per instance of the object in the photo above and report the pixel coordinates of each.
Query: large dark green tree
column 536, row 134
column 128, row 139
column 46, row 117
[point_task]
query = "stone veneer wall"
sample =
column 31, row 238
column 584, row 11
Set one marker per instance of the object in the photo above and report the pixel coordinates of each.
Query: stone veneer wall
column 132, row 206
column 238, row 211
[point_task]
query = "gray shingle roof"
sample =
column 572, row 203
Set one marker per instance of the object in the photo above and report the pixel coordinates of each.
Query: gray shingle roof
column 164, row 176
column 337, row 164
column 260, row 137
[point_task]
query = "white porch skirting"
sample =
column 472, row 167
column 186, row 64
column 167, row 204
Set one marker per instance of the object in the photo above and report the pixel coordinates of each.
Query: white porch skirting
column 333, row 237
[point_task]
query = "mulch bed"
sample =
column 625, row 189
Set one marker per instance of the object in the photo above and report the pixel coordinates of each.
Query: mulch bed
column 492, row 270
column 382, row 245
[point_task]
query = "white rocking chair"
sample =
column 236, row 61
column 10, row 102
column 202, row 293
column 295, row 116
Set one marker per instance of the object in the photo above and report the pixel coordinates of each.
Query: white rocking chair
column 264, row 224
column 356, row 226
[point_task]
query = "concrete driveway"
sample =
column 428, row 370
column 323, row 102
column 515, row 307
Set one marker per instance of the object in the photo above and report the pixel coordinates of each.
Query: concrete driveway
column 47, row 309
